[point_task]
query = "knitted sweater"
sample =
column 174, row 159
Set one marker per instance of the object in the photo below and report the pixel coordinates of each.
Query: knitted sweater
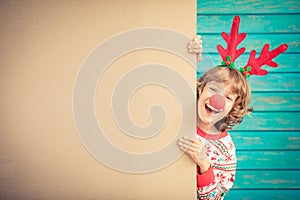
column 215, row 183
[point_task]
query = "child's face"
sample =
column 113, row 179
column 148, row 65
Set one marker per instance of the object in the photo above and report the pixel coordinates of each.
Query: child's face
column 208, row 115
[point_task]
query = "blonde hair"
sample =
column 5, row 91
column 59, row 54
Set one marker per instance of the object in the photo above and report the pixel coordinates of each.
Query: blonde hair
column 239, row 86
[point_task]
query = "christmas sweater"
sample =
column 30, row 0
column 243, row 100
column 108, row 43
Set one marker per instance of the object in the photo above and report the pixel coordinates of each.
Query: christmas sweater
column 219, row 178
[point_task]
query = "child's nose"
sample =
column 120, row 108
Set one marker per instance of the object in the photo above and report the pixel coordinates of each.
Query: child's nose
column 217, row 101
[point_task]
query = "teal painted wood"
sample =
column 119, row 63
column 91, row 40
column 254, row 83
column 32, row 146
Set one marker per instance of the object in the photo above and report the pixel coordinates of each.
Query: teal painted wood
column 286, row 62
column 275, row 101
column 276, row 82
column 266, row 141
column 272, row 23
column 287, row 82
column 270, row 121
column 247, row 7
column 274, row 160
column 267, row 179
column 262, row 194
column 254, row 41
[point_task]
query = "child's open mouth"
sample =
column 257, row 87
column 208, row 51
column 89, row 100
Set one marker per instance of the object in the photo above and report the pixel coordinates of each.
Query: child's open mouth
column 211, row 109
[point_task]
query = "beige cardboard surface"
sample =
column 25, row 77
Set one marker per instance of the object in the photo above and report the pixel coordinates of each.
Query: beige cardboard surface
column 43, row 45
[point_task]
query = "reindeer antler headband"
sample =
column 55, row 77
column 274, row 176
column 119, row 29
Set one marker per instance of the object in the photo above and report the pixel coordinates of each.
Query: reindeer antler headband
column 253, row 67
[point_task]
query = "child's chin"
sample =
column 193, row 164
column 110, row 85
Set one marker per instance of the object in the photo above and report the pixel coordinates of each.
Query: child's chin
column 208, row 121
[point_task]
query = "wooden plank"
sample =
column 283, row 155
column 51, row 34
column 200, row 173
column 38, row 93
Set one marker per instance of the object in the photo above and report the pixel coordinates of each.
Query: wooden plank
column 276, row 82
column 268, row 141
column 267, row 179
column 270, row 121
column 262, row 194
column 253, row 41
column 287, row 101
column 247, row 7
column 286, row 62
column 261, row 140
column 272, row 23
column 284, row 82
column 268, row 159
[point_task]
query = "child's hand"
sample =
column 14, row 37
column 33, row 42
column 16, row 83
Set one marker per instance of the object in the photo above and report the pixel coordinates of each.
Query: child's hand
column 195, row 46
column 195, row 149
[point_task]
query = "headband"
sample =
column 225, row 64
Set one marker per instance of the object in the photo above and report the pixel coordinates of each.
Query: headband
column 231, row 53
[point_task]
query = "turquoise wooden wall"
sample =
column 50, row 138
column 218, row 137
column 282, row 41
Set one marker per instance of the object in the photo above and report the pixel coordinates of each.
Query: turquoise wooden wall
column 267, row 141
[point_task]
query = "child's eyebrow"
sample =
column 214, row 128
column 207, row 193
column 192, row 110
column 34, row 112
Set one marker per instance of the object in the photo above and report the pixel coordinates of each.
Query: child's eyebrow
column 215, row 83
column 218, row 85
column 221, row 86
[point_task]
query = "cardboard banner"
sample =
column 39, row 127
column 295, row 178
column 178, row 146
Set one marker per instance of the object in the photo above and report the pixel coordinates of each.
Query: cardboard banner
column 94, row 98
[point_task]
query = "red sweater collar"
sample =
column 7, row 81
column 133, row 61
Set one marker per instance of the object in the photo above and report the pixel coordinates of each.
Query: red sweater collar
column 211, row 136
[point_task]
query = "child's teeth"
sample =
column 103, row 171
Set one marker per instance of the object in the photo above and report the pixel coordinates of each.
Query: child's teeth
column 212, row 108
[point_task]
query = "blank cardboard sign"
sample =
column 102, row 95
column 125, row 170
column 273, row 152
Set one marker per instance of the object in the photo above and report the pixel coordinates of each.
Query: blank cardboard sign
column 57, row 93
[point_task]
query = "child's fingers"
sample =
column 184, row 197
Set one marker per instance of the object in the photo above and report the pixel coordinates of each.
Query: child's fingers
column 190, row 152
column 186, row 140
column 184, row 144
column 199, row 57
column 197, row 37
column 189, row 143
column 195, row 48
column 193, row 152
column 189, row 149
column 195, row 140
column 194, row 43
column 192, row 50
column 193, row 148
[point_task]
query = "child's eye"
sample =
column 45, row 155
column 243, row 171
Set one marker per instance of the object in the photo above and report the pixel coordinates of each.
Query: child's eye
column 213, row 89
column 229, row 98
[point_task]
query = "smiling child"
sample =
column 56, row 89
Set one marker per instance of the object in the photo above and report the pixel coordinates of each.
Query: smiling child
column 223, row 97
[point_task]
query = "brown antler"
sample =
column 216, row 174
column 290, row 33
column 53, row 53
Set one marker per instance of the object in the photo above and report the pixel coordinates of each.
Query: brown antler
column 233, row 40
column 265, row 58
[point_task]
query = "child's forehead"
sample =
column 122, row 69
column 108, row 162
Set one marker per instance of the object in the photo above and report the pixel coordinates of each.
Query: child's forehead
column 226, row 86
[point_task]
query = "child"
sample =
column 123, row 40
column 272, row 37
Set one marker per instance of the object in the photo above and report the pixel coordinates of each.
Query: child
column 223, row 96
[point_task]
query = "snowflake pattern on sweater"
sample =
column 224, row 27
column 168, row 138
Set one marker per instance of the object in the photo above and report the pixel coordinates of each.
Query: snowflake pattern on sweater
column 215, row 183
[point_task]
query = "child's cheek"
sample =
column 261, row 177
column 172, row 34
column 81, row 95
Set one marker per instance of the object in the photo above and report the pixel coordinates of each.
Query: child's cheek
column 228, row 107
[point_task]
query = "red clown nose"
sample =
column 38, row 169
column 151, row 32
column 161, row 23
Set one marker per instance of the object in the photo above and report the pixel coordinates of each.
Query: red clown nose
column 217, row 101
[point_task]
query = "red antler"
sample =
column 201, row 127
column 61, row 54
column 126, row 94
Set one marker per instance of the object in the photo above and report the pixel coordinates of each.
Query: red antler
column 233, row 40
column 265, row 58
